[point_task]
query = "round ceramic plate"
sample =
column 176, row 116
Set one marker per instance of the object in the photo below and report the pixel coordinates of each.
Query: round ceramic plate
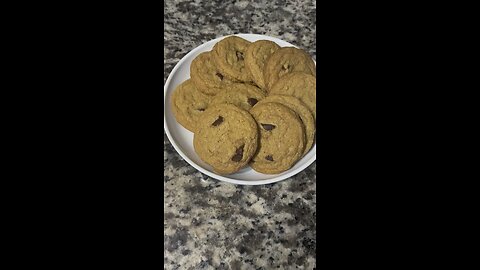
column 182, row 139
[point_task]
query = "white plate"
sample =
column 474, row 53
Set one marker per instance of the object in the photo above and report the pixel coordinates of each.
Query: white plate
column 182, row 139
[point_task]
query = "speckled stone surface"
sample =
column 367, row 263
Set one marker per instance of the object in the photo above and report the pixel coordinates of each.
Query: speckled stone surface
column 215, row 225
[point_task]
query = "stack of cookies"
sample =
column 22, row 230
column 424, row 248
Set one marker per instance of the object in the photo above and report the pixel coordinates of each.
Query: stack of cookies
column 249, row 104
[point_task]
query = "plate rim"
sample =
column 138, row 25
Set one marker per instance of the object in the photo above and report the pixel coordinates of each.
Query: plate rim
column 191, row 162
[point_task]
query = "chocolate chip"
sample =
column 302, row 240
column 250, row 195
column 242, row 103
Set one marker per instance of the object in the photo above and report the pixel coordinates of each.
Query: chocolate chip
column 240, row 56
column 252, row 101
column 238, row 154
column 201, row 109
column 218, row 121
column 269, row 157
column 285, row 66
column 268, row 126
column 219, row 76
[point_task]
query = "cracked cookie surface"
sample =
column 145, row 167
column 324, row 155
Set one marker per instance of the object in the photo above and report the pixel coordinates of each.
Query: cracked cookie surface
column 300, row 85
column 282, row 138
column 286, row 60
column 302, row 111
column 226, row 138
column 255, row 57
column 243, row 96
column 207, row 76
column 229, row 56
column 188, row 104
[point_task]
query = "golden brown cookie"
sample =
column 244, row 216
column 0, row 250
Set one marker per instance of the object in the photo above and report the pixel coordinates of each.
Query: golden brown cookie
column 302, row 111
column 286, row 60
column 255, row 57
column 300, row 85
column 282, row 138
column 226, row 138
column 188, row 104
column 207, row 76
column 229, row 56
column 243, row 96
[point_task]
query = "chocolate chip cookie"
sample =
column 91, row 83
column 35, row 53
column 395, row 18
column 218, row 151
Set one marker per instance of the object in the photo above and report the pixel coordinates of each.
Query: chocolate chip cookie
column 188, row 104
column 226, row 138
column 229, row 56
column 300, row 85
column 302, row 111
column 286, row 60
column 207, row 76
column 243, row 96
column 255, row 58
column 282, row 138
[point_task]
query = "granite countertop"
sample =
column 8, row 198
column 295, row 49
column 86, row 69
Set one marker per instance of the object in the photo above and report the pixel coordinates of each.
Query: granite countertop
column 215, row 225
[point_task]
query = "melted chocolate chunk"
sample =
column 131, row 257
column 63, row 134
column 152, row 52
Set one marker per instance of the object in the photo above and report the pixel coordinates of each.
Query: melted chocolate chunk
column 218, row 121
column 219, row 76
column 238, row 154
column 269, row 158
column 252, row 101
column 268, row 127
column 239, row 56
column 201, row 109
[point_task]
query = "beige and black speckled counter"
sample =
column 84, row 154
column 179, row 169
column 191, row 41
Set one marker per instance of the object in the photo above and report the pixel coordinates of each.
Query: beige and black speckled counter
column 215, row 225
